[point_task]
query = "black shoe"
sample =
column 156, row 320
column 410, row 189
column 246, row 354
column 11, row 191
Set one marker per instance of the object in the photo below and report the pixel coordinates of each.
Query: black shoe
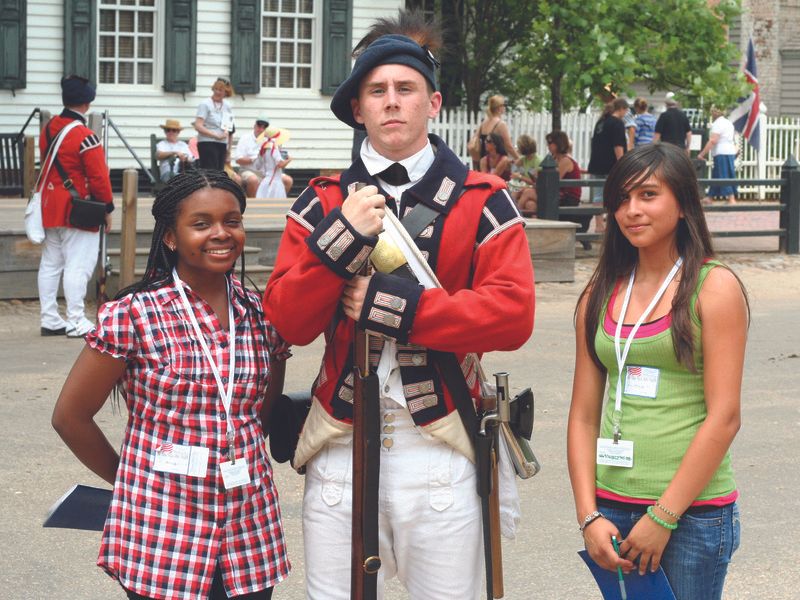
column 48, row 332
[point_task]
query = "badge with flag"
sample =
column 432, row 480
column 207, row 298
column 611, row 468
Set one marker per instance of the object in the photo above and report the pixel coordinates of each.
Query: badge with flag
column 745, row 115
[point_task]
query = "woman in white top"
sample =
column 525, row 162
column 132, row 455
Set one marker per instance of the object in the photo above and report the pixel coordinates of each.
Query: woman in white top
column 721, row 147
column 214, row 124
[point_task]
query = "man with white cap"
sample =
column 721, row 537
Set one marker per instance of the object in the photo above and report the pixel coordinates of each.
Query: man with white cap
column 68, row 250
column 429, row 511
column 173, row 154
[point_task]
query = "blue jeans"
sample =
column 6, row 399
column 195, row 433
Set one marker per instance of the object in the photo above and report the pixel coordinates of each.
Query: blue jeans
column 697, row 555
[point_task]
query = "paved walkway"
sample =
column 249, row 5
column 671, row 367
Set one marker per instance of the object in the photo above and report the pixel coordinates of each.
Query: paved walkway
column 541, row 564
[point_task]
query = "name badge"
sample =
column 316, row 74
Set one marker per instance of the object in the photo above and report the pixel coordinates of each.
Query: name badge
column 614, row 455
column 181, row 460
column 234, row 474
column 641, row 381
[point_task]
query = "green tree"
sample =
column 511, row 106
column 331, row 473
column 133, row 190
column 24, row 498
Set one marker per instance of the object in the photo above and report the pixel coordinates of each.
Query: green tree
column 481, row 37
column 577, row 52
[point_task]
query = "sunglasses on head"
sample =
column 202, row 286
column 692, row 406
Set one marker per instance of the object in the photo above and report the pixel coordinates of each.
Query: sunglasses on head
column 224, row 80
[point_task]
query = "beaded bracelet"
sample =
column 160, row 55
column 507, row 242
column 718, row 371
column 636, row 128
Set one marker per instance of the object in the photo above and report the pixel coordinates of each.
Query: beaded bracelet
column 667, row 511
column 659, row 521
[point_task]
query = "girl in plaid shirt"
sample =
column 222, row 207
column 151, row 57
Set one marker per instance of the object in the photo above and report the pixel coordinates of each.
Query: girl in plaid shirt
column 194, row 512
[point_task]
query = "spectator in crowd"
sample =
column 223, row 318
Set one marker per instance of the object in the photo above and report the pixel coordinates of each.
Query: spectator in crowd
column 560, row 147
column 173, row 154
column 630, row 129
column 721, row 146
column 645, row 123
column 494, row 123
column 249, row 157
column 673, row 125
column 67, row 249
column 214, row 125
column 272, row 158
column 496, row 160
column 522, row 184
column 609, row 141
column 246, row 155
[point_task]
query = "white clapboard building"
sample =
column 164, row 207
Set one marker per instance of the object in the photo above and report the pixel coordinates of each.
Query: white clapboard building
column 157, row 59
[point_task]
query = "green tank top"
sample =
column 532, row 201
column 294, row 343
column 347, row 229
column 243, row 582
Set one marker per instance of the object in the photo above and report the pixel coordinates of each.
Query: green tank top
column 661, row 428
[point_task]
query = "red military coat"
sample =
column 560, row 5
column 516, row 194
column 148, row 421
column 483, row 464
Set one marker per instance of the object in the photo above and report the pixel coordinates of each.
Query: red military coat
column 476, row 246
column 81, row 155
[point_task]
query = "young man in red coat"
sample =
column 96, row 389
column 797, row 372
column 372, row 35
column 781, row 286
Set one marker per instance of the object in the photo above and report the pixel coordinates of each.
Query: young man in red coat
column 66, row 249
column 430, row 520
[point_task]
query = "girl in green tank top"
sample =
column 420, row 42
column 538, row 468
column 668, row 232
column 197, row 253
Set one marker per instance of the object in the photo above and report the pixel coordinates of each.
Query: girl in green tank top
column 662, row 326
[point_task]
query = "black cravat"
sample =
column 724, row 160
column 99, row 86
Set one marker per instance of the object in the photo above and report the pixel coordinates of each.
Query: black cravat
column 395, row 174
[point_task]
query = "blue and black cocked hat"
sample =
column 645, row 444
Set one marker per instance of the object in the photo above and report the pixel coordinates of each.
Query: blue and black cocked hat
column 386, row 50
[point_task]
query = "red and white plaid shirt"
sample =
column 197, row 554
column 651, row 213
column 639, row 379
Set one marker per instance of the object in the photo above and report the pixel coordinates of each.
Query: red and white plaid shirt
column 166, row 534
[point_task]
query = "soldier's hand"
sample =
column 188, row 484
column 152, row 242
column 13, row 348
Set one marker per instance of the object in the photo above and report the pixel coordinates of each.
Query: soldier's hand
column 364, row 210
column 108, row 222
column 353, row 296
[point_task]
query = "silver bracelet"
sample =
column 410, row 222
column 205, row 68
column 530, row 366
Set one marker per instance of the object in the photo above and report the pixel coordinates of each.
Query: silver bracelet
column 590, row 518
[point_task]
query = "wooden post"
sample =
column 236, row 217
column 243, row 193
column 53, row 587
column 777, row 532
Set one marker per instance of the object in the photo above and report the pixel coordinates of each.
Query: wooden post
column 547, row 189
column 701, row 170
column 127, row 255
column 28, row 167
column 790, row 196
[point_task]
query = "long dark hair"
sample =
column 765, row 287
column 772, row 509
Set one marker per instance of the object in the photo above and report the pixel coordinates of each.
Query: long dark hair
column 618, row 257
column 161, row 259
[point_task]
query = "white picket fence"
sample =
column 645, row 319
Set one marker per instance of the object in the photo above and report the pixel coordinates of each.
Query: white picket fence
column 781, row 137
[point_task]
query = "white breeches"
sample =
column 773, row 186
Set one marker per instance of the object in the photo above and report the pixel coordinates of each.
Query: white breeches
column 72, row 252
column 429, row 516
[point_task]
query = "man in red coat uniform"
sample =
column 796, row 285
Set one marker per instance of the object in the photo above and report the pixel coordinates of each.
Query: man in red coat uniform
column 66, row 249
column 430, row 519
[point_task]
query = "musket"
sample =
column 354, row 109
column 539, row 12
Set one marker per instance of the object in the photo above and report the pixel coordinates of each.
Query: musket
column 365, row 560
column 486, row 448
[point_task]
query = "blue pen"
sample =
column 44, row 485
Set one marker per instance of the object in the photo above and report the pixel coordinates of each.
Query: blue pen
column 623, row 592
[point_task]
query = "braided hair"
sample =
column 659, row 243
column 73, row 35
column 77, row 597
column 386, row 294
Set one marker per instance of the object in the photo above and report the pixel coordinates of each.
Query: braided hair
column 161, row 259
column 165, row 209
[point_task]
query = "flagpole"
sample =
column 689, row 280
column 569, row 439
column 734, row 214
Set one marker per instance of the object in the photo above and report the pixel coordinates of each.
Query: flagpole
column 762, row 153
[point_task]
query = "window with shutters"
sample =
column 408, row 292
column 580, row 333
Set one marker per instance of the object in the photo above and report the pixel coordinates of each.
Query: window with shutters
column 126, row 41
column 289, row 39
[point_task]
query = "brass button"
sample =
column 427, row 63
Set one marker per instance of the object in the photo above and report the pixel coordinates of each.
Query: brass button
column 389, row 417
column 388, row 443
column 388, row 429
column 396, row 303
column 417, row 359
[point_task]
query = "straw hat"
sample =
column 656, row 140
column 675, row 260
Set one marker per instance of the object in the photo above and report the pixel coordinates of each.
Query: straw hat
column 278, row 135
column 171, row 124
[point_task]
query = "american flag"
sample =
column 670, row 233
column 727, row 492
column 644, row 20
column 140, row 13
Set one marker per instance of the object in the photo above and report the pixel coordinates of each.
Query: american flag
column 745, row 115
column 635, row 371
column 165, row 448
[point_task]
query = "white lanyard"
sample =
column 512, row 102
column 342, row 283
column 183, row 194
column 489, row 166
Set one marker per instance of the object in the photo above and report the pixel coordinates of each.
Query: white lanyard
column 225, row 393
column 622, row 354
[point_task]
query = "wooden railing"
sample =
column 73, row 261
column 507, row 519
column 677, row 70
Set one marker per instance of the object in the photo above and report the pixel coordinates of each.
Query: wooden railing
column 548, row 184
